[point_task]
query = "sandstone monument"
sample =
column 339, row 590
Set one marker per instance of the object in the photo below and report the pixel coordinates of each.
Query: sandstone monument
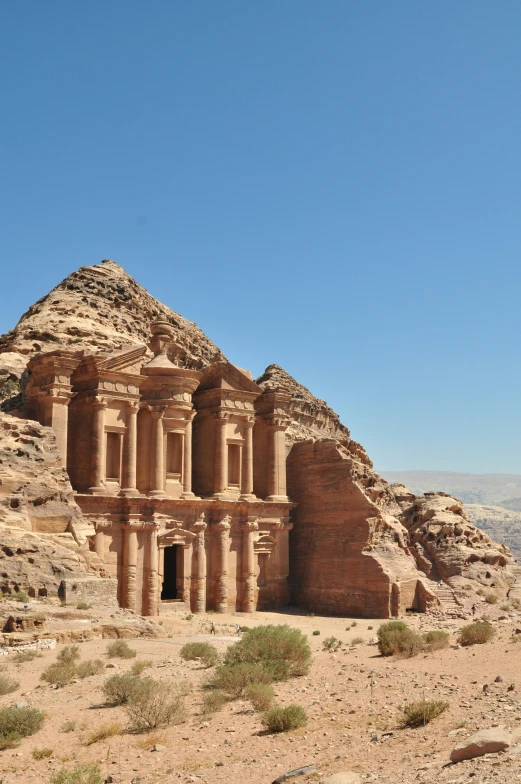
column 191, row 481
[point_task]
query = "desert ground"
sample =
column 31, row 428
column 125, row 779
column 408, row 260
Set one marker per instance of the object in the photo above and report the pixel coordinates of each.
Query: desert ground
column 352, row 699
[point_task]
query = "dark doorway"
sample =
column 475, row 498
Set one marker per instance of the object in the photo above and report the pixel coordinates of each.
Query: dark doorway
column 170, row 574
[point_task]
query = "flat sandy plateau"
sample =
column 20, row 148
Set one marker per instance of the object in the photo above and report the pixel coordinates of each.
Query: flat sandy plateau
column 351, row 697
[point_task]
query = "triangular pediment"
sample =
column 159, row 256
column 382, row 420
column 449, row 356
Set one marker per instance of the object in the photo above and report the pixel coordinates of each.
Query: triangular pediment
column 126, row 360
column 224, row 375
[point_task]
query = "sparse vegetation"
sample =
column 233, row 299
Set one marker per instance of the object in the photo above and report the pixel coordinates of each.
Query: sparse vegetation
column 154, row 704
column 279, row 719
column 102, row 733
column 491, row 597
column 261, row 695
column 232, row 679
column 213, row 701
column 436, row 640
column 18, row 723
column 316, row 633
column 80, row 774
column 140, row 665
column 476, row 633
column 418, row 714
column 69, row 654
column 58, row 673
column 120, row 649
column 83, row 606
column 118, row 689
column 200, row 650
column 331, row 644
column 90, row 667
column 357, row 641
column 26, row 656
column 395, row 638
column 21, row 596
column 39, row 754
column 68, row 726
column 7, row 685
column 284, row 647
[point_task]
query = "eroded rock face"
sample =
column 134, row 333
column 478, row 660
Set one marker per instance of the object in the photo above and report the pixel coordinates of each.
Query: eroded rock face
column 348, row 554
column 447, row 545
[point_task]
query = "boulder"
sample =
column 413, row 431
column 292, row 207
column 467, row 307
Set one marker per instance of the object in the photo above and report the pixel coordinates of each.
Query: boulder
column 482, row 742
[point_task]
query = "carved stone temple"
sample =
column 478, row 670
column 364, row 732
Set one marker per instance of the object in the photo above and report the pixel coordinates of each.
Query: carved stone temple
column 182, row 472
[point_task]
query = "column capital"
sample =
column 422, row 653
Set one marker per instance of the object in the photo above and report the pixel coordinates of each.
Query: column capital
column 62, row 396
column 222, row 417
column 132, row 405
column 277, row 421
column 99, row 403
column 200, row 525
column 157, row 411
column 224, row 524
column 250, row 524
column 249, row 422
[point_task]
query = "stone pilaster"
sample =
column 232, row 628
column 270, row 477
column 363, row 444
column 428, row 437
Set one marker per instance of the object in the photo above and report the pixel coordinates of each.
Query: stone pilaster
column 249, row 530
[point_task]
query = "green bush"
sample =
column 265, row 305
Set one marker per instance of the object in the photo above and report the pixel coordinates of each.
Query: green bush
column 69, row 654
column 213, row 701
column 279, row 719
column 7, row 685
column 357, row 641
column 118, row 689
column 18, row 723
column 156, row 704
column 83, row 606
column 140, row 665
column 200, row 650
column 119, row 649
column 90, row 667
column 21, row 596
column 232, row 679
column 316, row 633
column 68, row 726
column 418, row 714
column 435, row 640
column 26, row 656
column 395, row 638
column 80, row 774
column 39, row 754
column 476, row 633
column 279, row 645
column 58, row 673
column 331, row 644
column 261, row 695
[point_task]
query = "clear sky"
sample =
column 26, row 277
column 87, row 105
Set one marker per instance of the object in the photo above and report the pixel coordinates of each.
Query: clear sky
column 333, row 186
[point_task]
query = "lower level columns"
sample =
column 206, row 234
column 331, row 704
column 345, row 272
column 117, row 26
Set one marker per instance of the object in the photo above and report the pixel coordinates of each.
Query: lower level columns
column 150, row 582
column 199, row 601
column 221, row 596
column 250, row 528
column 99, row 544
column 129, row 592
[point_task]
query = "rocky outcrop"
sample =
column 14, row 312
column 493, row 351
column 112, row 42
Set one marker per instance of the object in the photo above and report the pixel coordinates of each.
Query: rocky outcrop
column 447, row 546
column 43, row 534
column 500, row 523
column 348, row 554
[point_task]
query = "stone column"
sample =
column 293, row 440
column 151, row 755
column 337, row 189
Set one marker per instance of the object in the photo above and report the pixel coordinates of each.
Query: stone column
column 98, row 447
column 130, row 567
column 249, row 530
column 99, row 544
column 200, row 554
column 221, row 596
column 277, row 459
column 58, row 419
column 187, row 459
column 150, row 582
column 129, row 481
column 158, row 469
column 221, row 454
column 247, row 463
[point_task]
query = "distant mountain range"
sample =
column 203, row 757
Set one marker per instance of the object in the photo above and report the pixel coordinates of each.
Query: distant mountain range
column 492, row 501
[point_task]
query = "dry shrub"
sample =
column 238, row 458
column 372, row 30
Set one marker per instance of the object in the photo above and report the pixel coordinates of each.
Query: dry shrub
column 7, row 685
column 58, row 673
column 200, row 650
column 68, row 726
column 232, row 679
column 140, row 665
column 213, row 701
column 18, row 723
column 69, row 654
column 120, row 649
column 83, row 606
column 357, row 641
column 491, row 597
column 118, row 689
column 156, row 704
column 39, row 754
column 476, row 633
column 26, row 656
column 80, row 774
column 279, row 719
column 418, row 714
column 435, row 640
column 90, row 667
column 280, row 645
column 331, row 644
column 395, row 638
column 102, row 733
column 261, row 695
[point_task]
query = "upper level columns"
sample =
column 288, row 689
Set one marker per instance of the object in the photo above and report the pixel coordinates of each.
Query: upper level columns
column 128, row 485
column 247, row 462
column 187, row 458
column 158, row 470
column 221, row 453
column 98, row 447
column 58, row 417
column 277, row 458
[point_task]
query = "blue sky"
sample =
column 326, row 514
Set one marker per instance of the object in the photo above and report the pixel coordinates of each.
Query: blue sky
column 332, row 186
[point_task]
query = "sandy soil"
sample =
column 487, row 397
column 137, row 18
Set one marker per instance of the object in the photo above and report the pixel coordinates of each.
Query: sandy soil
column 352, row 699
